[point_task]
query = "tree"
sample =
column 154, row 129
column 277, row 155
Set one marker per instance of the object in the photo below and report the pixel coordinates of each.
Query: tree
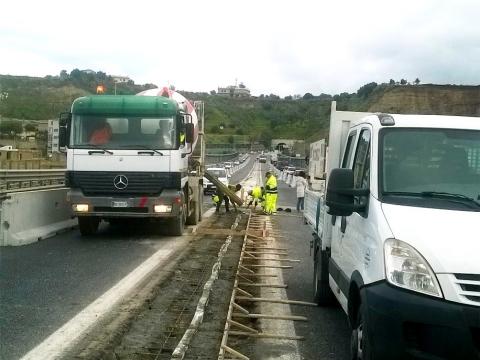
column 289, row 97
column 392, row 82
column 9, row 126
column 308, row 96
column 231, row 139
column 417, row 81
column 403, row 82
column 213, row 92
column 63, row 75
column 366, row 89
column 30, row 127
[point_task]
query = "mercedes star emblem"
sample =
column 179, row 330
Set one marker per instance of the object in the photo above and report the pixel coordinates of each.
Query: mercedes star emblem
column 120, row 182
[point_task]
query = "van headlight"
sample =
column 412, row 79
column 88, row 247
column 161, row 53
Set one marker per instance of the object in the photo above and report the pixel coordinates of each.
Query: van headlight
column 406, row 268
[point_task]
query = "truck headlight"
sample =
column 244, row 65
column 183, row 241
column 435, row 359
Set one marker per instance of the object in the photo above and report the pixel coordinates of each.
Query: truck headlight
column 80, row 207
column 162, row 208
column 406, row 268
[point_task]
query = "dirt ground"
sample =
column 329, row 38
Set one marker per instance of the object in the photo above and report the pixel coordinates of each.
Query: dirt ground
column 150, row 323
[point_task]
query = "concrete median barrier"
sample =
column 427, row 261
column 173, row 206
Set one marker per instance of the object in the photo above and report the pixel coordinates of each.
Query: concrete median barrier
column 27, row 217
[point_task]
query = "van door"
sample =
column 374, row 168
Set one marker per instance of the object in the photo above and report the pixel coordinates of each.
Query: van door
column 336, row 260
column 355, row 228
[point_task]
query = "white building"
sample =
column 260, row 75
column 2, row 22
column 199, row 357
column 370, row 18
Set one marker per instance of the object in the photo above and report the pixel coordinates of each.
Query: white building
column 120, row 79
column 53, row 133
column 234, row 91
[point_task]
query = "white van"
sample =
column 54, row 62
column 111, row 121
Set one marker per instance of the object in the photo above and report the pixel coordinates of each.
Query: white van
column 397, row 236
column 220, row 174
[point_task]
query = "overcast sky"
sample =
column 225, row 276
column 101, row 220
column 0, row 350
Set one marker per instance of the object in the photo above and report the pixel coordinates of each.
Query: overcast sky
column 280, row 47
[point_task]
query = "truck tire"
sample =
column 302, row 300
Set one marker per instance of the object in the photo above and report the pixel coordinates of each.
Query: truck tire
column 360, row 347
column 192, row 219
column 322, row 293
column 88, row 225
column 200, row 207
column 177, row 225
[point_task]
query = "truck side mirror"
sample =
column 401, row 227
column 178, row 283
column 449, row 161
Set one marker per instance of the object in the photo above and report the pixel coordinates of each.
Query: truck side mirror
column 64, row 125
column 189, row 133
column 340, row 193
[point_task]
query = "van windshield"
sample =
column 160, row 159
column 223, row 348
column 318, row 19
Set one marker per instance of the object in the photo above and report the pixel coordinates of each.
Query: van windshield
column 430, row 163
column 123, row 133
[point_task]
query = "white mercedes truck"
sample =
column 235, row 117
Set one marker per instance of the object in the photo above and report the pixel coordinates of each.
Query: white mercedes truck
column 397, row 234
column 135, row 156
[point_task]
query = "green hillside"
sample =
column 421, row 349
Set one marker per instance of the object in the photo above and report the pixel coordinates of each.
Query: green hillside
column 242, row 121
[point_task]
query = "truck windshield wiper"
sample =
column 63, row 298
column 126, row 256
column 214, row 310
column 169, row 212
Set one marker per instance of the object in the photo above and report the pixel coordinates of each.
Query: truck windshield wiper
column 143, row 147
column 101, row 148
column 447, row 195
column 458, row 198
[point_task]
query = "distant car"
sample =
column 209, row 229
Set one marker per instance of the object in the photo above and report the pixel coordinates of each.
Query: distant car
column 220, row 174
column 236, row 162
column 228, row 165
column 262, row 159
column 290, row 170
column 298, row 171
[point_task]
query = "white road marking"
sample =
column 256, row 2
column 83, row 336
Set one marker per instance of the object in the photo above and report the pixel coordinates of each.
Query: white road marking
column 69, row 334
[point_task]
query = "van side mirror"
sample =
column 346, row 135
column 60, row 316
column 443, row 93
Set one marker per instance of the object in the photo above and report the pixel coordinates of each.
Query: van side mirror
column 189, row 133
column 340, row 193
column 63, row 130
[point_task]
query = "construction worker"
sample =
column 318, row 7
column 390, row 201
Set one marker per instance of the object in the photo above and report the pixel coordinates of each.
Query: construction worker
column 271, row 193
column 216, row 201
column 224, row 198
column 255, row 197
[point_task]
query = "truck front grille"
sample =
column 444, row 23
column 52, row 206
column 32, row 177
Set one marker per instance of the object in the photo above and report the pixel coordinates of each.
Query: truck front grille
column 138, row 183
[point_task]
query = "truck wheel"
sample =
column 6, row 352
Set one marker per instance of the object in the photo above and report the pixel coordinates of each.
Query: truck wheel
column 192, row 219
column 323, row 295
column 360, row 344
column 177, row 225
column 88, row 225
column 200, row 207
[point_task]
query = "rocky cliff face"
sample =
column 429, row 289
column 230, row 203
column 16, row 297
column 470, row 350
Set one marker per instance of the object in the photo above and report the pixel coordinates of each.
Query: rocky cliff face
column 428, row 99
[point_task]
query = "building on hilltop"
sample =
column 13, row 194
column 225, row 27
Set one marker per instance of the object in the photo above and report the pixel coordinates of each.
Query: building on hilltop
column 237, row 91
column 121, row 79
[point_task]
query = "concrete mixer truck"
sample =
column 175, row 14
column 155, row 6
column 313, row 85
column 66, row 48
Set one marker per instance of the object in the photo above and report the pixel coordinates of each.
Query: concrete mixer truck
column 135, row 156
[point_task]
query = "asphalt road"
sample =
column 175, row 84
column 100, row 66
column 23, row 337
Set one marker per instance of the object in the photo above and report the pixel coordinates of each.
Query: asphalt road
column 327, row 333
column 45, row 284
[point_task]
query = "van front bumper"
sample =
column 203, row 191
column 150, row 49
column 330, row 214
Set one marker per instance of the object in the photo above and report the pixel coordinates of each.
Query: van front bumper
column 402, row 324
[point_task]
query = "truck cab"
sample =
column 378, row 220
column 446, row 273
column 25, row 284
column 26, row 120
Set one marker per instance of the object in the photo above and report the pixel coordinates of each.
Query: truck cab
column 128, row 157
column 399, row 245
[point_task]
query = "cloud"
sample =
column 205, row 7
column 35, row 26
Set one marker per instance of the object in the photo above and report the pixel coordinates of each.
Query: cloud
column 272, row 46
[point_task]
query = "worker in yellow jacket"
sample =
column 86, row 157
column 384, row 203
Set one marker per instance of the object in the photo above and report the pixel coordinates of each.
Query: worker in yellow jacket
column 255, row 197
column 271, row 193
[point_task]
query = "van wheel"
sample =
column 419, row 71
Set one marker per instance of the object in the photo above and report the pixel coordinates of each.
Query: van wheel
column 88, row 225
column 323, row 295
column 359, row 343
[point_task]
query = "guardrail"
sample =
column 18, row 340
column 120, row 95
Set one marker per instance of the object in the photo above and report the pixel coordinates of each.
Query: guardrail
column 29, row 180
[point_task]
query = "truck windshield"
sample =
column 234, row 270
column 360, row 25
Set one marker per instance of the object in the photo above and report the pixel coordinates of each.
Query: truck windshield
column 123, row 133
column 426, row 164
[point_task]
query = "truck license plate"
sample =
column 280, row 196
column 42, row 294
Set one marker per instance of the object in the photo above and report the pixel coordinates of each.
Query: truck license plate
column 119, row 204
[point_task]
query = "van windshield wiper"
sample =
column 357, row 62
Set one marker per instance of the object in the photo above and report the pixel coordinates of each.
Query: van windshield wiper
column 447, row 195
column 143, row 147
column 458, row 198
